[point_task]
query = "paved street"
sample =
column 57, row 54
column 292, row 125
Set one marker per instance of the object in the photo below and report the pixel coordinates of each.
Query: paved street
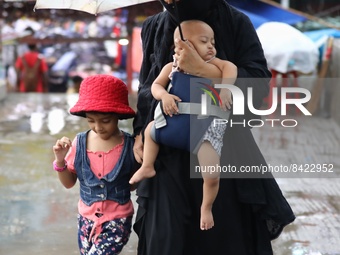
column 38, row 215
column 314, row 197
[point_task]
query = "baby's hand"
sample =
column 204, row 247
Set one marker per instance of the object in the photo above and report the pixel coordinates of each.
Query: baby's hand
column 225, row 95
column 61, row 148
column 169, row 104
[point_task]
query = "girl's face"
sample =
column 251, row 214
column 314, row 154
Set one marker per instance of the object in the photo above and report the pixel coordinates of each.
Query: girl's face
column 105, row 125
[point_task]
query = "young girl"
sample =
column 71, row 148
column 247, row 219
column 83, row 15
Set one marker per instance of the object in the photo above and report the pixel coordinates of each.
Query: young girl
column 101, row 158
column 201, row 37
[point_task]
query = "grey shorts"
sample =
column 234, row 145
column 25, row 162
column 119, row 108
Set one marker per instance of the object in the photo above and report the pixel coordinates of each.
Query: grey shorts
column 214, row 135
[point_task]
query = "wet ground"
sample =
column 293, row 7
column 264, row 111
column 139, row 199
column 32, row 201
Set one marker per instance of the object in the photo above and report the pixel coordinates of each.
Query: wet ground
column 38, row 215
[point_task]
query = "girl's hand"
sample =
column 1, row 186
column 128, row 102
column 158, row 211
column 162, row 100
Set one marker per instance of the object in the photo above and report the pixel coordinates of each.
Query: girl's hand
column 169, row 104
column 61, row 148
column 225, row 95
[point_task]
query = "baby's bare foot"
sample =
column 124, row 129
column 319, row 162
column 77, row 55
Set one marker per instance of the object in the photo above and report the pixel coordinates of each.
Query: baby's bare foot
column 142, row 173
column 207, row 220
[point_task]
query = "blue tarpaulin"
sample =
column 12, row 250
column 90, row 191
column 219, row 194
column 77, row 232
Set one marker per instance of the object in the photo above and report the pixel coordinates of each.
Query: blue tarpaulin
column 318, row 34
column 260, row 12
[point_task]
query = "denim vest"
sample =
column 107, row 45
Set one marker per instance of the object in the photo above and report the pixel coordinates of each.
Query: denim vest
column 113, row 186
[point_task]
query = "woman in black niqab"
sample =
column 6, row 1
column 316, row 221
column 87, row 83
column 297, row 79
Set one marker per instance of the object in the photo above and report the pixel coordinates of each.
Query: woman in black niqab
column 248, row 213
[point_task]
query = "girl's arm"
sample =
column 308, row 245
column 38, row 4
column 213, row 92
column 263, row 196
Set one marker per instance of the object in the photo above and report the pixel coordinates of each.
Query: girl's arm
column 60, row 149
column 67, row 178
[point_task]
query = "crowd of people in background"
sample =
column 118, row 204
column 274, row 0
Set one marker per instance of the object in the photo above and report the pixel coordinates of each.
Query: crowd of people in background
column 63, row 62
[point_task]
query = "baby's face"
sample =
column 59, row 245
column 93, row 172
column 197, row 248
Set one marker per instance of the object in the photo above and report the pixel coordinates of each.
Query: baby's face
column 204, row 45
column 202, row 37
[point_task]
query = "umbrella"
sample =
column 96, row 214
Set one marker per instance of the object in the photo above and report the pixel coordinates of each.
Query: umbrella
column 94, row 6
column 90, row 6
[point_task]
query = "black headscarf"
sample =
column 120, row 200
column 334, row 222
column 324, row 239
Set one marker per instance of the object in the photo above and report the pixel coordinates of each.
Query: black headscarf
column 190, row 9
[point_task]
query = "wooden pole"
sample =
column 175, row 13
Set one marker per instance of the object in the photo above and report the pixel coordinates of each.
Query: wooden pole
column 313, row 104
column 129, row 71
column 285, row 3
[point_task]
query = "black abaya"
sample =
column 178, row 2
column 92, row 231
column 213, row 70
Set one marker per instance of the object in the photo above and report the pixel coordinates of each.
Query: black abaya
column 248, row 213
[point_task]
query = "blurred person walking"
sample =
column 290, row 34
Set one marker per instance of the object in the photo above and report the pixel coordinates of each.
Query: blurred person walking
column 74, row 86
column 32, row 71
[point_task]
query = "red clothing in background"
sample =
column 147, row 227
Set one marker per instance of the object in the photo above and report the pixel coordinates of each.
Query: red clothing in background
column 31, row 58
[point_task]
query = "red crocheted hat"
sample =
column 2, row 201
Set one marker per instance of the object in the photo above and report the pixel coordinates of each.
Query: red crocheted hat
column 103, row 93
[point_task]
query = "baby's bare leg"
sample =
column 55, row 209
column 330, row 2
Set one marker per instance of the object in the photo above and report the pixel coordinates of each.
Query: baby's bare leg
column 150, row 152
column 207, row 156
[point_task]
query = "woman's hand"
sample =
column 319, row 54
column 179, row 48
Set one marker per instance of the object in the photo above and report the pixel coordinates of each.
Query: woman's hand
column 187, row 57
column 190, row 62
column 138, row 149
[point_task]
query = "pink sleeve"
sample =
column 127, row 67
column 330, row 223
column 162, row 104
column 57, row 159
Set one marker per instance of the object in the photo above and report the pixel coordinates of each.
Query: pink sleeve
column 71, row 156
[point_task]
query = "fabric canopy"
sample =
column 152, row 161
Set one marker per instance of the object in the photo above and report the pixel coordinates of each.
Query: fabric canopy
column 260, row 12
column 287, row 49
